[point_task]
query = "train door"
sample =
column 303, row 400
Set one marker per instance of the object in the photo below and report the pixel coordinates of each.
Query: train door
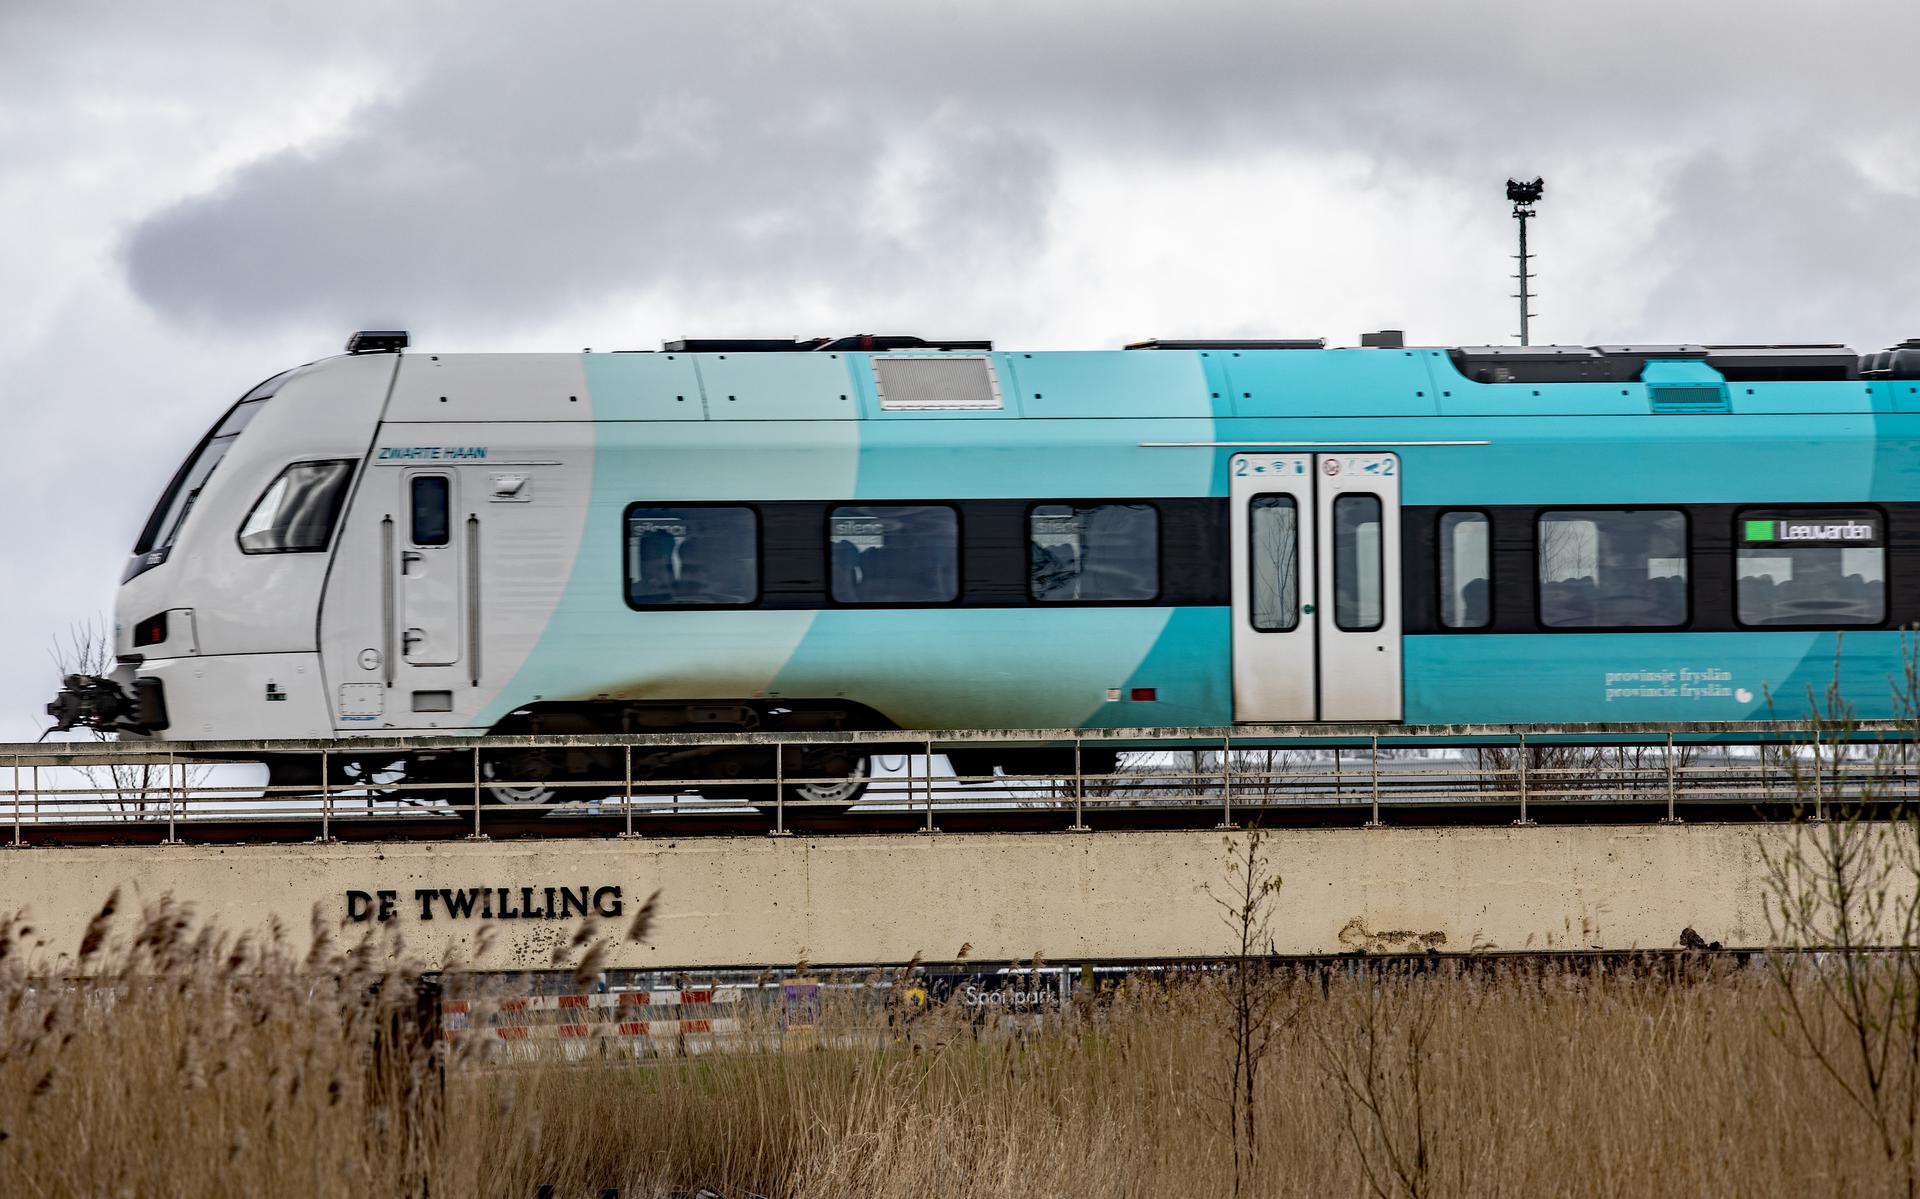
column 429, row 575
column 1316, row 587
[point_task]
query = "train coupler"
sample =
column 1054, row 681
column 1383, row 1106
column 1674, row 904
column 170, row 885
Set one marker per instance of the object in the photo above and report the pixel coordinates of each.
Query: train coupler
column 90, row 701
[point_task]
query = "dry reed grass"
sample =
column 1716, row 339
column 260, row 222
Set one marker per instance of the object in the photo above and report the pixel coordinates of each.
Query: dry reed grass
column 193, row 1065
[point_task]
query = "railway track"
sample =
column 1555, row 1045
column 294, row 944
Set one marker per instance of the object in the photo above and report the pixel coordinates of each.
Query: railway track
column 1281, row 776
column 583, row 825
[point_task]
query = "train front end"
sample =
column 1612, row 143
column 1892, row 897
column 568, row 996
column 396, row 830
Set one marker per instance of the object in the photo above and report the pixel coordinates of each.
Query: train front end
column 216, row 621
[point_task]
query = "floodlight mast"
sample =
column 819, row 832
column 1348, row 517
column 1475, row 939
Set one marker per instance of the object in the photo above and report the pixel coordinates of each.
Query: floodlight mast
column 1524, row 197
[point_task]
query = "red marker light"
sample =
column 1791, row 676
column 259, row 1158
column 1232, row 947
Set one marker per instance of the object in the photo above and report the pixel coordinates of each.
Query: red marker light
column 151, row 631
column 1145, row 694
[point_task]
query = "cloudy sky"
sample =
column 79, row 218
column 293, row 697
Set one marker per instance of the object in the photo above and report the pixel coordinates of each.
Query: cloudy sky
column 196, row 195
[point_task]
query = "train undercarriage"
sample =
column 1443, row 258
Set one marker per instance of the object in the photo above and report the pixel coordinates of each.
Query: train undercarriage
column 822, row 777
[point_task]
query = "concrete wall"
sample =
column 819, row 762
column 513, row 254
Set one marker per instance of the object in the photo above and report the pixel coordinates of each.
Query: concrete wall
column 865, row 899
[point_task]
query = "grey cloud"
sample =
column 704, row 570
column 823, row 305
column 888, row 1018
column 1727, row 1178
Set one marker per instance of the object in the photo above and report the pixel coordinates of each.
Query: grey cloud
column 714, row 149
column 519, row 176
column 1801, row 224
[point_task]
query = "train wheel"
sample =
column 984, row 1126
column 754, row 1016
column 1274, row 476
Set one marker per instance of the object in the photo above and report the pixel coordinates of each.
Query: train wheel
column 844, row 792
column 377, row 779
column 812, row 800
column 529, row 781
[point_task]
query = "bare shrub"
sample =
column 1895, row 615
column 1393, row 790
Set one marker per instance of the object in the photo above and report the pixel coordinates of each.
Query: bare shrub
column 1376, row 1057
column 88, row 649
column 1847, row 888
column 1254, row 1012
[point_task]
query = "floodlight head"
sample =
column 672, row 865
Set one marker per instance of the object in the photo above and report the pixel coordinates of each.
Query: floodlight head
column 1526, row 193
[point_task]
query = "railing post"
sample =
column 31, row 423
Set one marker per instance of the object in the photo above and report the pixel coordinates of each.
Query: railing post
column 476, row 834
column 1079, row 824
column 326, row 798
column 929, row 772
column 16, row 801
column 172, row 837
column 1672, row 817
column 1373, row 743
column 626, row 798
column 1525, row 784
column 780, row 792
column 1766, row 776
column 1226, row 784
column 1819, row 782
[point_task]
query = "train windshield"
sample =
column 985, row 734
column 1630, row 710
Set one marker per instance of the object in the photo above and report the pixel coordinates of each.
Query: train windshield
column 163, row 527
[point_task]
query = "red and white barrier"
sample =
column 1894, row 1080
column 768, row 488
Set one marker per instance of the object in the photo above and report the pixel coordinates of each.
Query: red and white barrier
column 662, row 1015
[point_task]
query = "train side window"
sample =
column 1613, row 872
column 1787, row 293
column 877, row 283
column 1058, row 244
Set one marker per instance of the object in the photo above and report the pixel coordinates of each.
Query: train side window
column 1273, row 521
column 1603, row 569
column 1357, row 586
column 1466, row 570
column 431, row 496
column 297, row 511
column 1093, row 552
column 1810, row 567
column 905, row 554
column 692, row 557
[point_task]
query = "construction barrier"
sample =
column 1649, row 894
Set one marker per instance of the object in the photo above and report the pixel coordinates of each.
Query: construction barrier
column 644, row 1023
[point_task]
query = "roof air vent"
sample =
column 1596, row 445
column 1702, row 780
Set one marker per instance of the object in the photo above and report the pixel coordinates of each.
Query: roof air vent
column 771, row 345
column 1285, row 343
column 918, row 382
column 1685, row 399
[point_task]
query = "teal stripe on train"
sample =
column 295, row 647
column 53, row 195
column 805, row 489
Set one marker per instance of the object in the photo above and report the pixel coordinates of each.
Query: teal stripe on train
column 1082, row 419
column 1012, row 667
column 1644, row 676
column 595, row 645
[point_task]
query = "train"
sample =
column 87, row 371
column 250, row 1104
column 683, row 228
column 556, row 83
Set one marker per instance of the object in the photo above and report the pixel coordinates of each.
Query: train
column 892, row 532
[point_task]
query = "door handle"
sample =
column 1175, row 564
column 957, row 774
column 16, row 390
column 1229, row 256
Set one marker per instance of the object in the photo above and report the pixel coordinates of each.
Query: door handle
column 411, row 638
column 387, row 588
column 408, row 558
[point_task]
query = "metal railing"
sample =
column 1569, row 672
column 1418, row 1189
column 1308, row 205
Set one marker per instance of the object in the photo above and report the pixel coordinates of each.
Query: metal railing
column 626, row 785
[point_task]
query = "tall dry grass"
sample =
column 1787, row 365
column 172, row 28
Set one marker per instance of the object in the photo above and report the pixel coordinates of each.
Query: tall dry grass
column 193, row 1065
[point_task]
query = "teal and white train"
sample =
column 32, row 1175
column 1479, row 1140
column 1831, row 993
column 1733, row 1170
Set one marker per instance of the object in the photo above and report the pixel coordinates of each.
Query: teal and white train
column 884, row 532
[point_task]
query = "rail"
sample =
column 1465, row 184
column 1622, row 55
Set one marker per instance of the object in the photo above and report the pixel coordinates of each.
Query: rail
column 635, row 785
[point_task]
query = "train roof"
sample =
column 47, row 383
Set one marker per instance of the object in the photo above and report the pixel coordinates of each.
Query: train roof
column 875, row 376
column 1736, row 363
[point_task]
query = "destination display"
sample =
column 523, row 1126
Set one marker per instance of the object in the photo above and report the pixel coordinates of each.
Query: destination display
column 1862, row 529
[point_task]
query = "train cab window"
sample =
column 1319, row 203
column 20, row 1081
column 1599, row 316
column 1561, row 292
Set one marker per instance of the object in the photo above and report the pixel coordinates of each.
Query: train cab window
column 692, row 557
column 163, row 527
column 1613, row 569
column 1357, row 587
column 1810, row 567
column 297, row 511
column 1466, row 570
column 894, row 555
column 1273, row 522
column 431, row 500
column 1093, row 553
